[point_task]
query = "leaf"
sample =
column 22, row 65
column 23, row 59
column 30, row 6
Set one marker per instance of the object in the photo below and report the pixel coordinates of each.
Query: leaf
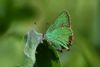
column 33, row 38
column 46, row 56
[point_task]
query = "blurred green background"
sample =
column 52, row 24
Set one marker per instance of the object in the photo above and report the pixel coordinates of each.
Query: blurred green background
column 17, row 17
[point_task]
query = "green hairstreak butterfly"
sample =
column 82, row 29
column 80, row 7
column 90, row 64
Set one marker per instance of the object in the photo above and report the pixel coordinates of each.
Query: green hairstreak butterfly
column 59, row 34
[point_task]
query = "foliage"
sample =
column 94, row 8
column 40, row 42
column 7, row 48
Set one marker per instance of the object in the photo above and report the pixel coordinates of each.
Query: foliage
column 17, row 16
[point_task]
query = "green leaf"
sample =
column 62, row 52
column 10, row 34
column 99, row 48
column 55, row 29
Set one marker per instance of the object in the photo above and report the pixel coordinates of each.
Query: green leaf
column 32, row 41
column 46, row 56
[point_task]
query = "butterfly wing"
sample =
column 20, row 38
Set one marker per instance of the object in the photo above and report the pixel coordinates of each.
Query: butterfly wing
column 60, row 33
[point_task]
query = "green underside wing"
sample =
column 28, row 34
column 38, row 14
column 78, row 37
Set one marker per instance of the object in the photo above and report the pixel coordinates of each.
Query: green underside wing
column 60, row 32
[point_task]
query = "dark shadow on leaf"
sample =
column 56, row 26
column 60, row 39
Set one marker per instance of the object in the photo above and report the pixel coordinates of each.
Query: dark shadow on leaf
column 46, row 56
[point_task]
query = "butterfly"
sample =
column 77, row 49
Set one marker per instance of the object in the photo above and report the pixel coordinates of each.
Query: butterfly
column 59, row 35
